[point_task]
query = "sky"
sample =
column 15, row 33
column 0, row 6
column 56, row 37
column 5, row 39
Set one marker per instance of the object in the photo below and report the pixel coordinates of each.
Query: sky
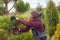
column 34, row 3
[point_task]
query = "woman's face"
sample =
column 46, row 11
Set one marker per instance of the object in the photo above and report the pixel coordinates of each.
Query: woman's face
column 30, row 16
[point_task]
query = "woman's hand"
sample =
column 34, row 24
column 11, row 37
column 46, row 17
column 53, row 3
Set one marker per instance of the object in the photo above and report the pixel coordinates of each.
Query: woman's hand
column 19, row 29
column 17, row 18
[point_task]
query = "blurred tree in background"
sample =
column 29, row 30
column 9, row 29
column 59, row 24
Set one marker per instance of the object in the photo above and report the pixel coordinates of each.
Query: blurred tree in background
column 1, row 8
column 6, row 5
column 21, row 6
column 39, row 8
column 58, row 8
column 27, row 6
column 52, row 17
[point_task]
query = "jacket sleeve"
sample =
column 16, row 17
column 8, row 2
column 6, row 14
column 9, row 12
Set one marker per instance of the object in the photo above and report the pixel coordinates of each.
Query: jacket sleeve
column 26, row 23
column 24, row 29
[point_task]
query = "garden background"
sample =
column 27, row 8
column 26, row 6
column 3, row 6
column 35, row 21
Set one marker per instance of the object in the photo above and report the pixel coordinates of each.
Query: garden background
column 50, row 17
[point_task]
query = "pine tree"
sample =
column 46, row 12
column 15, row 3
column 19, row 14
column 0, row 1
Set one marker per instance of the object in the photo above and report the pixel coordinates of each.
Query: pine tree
column 52, row 17
column 21, row 6
column 39, row 8
column 58, row 8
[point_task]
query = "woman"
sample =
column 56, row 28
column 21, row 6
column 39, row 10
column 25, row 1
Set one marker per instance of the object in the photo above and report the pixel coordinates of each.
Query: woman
column 35, row 24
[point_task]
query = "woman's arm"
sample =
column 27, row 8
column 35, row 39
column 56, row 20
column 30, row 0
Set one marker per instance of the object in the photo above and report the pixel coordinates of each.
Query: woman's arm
column 24, row 29
column 26, row 23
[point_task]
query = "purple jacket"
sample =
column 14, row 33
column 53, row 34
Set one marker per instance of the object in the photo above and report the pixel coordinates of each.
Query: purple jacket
column 32, row 23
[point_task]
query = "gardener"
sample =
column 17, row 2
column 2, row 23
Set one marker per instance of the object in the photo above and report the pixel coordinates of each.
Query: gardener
column 35, row 24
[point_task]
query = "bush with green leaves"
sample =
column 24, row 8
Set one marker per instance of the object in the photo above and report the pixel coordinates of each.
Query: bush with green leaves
column 3, row 35
column 6, row 23
column 23, row 36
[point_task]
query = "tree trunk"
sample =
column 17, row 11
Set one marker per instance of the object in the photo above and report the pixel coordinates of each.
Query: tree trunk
column 6, row 8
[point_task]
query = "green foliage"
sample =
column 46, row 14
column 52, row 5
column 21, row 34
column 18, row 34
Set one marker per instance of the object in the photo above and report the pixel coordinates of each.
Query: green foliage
column 23, row 36
column 3, row 35
column 27, row 6
column 1, row 8
column 6, row 23
column 21, row 6
column 1, row 4
column 52, row 17
column 58, row 8
column 39, row 8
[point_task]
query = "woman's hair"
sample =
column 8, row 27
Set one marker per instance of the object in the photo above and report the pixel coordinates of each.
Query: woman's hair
column 36, row 14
